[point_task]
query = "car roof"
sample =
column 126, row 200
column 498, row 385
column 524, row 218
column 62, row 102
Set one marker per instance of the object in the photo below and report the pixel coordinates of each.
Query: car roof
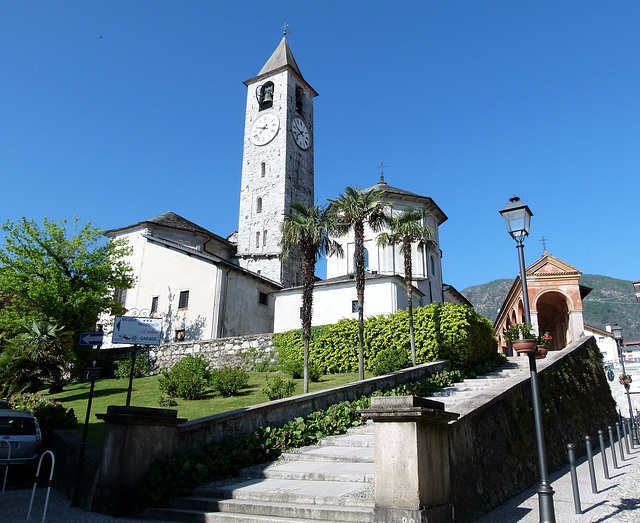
column 15, row 413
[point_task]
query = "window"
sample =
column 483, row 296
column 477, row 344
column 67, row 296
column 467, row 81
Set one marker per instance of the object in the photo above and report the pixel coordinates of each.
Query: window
column 366, row 260
column 183, row 302
column 258, row 239
column 263, row 298
column 154, row 304
column 299, row 99
column 432, row 265
column 120, row 295
column 354, row 306
column 264, row 94
column 263, row 169
column 264, row 238
column 259, row 205
column 180, row 334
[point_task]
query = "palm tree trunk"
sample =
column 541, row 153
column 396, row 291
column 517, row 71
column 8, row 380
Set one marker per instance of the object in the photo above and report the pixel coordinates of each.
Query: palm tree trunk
column 408, row 269
column 308, row 266
column 358, row 230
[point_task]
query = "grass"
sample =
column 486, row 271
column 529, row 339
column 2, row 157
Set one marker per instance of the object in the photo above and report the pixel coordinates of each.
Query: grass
column 146, row 393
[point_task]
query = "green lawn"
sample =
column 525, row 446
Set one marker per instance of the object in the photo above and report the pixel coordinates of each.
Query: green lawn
column 146, row 393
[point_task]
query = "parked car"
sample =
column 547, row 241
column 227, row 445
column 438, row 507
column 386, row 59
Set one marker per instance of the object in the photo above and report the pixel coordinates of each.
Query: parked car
column 20, row 429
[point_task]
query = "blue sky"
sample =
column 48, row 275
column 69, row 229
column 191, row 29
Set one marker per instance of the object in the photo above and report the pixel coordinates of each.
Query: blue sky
column 117, row 111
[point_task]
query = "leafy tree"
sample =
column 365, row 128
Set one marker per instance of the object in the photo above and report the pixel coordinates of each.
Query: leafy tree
column 406, row 228
column 308, row 229
column 37, row 356
column 62, row 274
column 355, row 208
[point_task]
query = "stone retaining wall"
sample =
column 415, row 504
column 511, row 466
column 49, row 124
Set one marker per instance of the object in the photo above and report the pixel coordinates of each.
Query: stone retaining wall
column 247, row 351
column 493, row 449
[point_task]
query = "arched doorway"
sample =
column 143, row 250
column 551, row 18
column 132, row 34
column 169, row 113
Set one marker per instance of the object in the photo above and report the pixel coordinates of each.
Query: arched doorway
column 553, row 317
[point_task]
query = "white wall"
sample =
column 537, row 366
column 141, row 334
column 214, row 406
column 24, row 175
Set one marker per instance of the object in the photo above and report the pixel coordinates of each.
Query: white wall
column 332, row 303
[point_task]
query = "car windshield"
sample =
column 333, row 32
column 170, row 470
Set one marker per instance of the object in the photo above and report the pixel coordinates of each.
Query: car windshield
column 17, row 426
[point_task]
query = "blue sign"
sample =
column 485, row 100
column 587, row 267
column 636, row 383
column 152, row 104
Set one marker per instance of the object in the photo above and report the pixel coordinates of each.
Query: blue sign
column 137, row 331
column 91, row 338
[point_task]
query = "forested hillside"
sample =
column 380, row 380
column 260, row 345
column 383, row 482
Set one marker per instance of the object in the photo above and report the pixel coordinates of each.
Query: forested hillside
column 610, row 301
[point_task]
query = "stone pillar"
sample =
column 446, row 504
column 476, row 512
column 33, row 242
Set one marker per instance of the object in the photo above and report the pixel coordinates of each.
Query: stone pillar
column 411, row 460
column 134, row 437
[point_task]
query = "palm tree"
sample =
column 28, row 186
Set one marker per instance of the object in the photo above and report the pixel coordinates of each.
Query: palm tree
column 308, row 229
column 39, row 355
column 355, row 208
column 406, row 228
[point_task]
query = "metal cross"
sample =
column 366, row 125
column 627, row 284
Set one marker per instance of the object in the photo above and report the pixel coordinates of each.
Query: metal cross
column 381, row 167
column 284, row 29
column 544, row 243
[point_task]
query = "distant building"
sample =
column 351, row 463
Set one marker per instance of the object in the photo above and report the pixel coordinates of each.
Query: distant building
column 605, row 340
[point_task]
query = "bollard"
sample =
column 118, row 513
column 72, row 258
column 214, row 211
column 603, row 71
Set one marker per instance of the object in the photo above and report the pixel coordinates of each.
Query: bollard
column 620, row 446
column 612, row 445
column 592, row 470
column 574, row 478
column 603, row 454
column 625, row 431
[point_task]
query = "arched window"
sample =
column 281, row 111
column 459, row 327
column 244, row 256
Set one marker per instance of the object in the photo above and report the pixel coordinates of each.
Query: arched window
column 366, row 260
column 258, row 239
column 259, row 204
column 264, row 94
column 264, row 238
column 263, row 169
column 432, row 265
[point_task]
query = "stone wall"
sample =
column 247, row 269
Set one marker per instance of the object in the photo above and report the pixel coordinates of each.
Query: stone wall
column 247, row 351
column 493, row 449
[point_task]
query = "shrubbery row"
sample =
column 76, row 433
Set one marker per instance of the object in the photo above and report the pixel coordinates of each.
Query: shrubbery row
column 443, row 331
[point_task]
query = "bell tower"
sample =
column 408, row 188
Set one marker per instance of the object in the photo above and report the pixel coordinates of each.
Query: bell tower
column 277, row 164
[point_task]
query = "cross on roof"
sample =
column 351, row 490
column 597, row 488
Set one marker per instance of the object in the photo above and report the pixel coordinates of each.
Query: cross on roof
column 544, row 243
column 381, row 167
column 284, row 29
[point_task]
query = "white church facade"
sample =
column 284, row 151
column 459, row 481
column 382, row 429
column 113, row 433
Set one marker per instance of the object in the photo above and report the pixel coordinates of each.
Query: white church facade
column 207, row 286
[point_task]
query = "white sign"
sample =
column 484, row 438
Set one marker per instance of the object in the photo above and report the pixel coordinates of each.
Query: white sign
column 137, row 331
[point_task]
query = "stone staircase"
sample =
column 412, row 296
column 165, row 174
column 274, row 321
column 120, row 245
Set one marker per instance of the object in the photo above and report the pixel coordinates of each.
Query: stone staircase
column 329, row 482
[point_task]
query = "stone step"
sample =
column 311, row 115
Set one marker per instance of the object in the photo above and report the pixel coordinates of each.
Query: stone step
column 338, row 493
column 332, row 453
column 196, row 516
column 348, row 440
column 315, row 470
column 295, row 511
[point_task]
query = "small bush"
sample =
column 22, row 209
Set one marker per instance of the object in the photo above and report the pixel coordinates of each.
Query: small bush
column 227, row 381
column 390, row 360
column 277, row 388
column 188, row 379
column 167, row 402
column 49, row 413
column 295, row 369
column 140, row 369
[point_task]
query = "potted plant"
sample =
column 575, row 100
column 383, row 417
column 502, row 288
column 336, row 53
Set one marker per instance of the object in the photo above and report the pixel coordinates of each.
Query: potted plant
column 543, row 345
column 521, row 338
column 625, row 379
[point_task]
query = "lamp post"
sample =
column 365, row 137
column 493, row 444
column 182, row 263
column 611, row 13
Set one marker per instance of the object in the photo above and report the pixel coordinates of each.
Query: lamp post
column 517, row 217
column 617, row 334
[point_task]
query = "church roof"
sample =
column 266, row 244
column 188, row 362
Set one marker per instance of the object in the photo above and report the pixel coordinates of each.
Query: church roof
column 393, row 193
column 172, row 220
column 281, row 58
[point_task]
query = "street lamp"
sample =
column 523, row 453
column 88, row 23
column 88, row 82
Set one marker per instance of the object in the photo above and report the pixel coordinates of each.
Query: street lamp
column 517, row 217
column 617, row 334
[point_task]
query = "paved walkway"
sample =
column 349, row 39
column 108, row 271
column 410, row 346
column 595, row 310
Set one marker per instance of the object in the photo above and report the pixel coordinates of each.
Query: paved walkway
column 617, row 500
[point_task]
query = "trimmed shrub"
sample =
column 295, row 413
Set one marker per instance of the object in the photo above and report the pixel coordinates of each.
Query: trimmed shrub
column 277, row 388
column 188, row 379
column 295, row 369
column 390, row 360
column 49, row 413
column 227, row 381
column 140, row 369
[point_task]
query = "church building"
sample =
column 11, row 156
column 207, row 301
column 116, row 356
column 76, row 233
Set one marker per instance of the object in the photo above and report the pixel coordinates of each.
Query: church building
column 207, row 286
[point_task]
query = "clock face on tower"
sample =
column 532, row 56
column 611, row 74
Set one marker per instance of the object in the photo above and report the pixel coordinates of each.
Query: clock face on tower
column 264, row 129
column 300, row 133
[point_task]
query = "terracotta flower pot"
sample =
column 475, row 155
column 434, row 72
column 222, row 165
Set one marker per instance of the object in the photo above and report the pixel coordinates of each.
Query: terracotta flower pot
column 524, row 346
column 542, row 352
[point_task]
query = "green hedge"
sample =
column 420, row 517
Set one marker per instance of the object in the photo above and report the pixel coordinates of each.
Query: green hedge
column 442, row 331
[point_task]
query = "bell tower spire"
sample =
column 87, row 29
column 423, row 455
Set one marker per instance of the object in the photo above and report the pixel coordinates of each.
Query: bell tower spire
column 277, row 164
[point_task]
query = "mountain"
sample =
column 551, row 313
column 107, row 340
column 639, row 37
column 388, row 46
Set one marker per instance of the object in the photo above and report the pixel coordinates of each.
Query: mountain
column 610, row 301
